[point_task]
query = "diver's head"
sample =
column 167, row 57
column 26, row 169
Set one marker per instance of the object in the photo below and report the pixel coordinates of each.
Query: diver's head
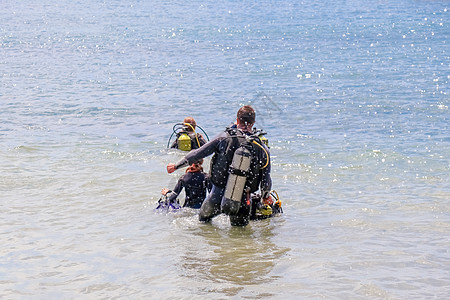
column 196, row 166
column 246, row 117
column 191, row 122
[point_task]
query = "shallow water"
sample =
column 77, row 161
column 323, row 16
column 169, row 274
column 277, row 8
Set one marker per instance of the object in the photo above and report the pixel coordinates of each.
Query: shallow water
column 354, row 97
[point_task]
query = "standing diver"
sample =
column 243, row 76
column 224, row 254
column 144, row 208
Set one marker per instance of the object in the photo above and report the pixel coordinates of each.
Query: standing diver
column 187, row 139
column 240, row 165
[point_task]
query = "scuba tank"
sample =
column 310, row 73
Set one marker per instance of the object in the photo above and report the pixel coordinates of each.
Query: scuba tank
column 181, row 132
column 237, row 178
column 260, row 133
column 184, row 142
column 264, row 140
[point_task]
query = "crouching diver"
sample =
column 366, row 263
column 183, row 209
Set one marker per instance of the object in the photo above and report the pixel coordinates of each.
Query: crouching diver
column 265, row 208
column 195, row 182
column 240, row 165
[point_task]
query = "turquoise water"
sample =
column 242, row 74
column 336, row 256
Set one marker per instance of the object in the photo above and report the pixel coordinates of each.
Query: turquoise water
column 354, row 96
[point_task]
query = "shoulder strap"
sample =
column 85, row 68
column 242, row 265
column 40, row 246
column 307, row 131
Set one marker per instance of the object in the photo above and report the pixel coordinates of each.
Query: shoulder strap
column 231, row 131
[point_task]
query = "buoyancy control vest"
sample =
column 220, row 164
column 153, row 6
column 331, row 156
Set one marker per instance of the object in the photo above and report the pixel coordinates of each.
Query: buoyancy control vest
column 222, row 159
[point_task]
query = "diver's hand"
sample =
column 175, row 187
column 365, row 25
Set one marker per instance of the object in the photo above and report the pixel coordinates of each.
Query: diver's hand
column 171, row 168
column 164, row 191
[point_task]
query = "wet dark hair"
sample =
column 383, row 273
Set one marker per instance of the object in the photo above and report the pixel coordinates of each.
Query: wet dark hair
column 246, row 115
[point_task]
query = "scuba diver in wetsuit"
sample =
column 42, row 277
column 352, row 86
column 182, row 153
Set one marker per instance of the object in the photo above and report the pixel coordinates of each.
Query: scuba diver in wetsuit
column 187, row 139
column 233, row 180
column 195, row 182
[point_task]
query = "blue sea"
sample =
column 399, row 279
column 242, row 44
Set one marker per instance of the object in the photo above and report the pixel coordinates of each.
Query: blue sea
column 353, row 95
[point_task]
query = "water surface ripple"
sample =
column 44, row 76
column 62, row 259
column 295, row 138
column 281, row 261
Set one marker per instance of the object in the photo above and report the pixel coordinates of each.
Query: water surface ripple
column 354, row 96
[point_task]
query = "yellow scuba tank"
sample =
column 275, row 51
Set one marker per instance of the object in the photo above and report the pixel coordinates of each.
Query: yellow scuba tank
column 264, row 140
column 260, row 133
column 184, row 142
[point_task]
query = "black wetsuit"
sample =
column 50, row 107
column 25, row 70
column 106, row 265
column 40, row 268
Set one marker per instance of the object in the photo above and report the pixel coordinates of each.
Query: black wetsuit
column 223, row 147
column 195, row 185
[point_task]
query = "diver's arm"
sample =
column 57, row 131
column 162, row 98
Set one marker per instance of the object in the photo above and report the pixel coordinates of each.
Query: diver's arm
column 266, row 179
column 176, row 191
column 266, row 187
column 202, row 152
column 266, row 182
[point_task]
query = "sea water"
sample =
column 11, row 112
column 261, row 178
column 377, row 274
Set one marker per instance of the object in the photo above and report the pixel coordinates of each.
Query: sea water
column 353, row 95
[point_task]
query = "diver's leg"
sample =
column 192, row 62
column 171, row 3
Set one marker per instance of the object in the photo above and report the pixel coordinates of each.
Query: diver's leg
column 242, row 218
column 211, row 206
